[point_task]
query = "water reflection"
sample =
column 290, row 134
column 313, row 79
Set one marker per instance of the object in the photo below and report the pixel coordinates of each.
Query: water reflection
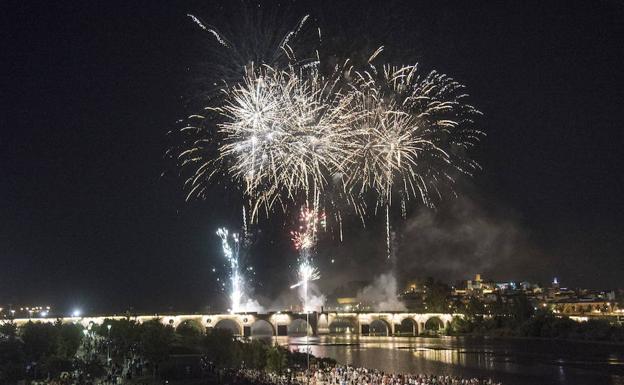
column 514, row 362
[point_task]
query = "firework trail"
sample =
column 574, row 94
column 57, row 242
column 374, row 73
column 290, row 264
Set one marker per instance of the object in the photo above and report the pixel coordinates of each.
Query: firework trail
column 245, row 229
column 306, row 274
column 304, row 240
column 231, row 253
column 262, row 36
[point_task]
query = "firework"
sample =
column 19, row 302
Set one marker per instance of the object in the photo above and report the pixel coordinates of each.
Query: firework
column 358, row 139
column 306, row 273
column 284, row 135
column 293, row 135
column 412, row 136
column 304, row 240
column 231, row 246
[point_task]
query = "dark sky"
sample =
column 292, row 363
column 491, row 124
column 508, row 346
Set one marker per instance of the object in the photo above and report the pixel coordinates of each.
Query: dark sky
column 89, row 92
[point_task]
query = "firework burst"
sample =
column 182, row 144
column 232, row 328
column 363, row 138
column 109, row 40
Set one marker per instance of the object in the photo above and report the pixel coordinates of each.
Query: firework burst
column 412, row 134
column 283, row 135
column 411, row 137
column 305, row 237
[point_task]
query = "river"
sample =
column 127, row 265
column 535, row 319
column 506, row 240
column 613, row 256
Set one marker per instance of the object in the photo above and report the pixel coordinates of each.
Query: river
column 510, row 361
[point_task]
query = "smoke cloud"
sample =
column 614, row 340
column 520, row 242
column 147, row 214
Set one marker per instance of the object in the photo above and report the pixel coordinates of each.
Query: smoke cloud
column 381, row 295
column 251, row 305
column 460, row 240
column 316, row 299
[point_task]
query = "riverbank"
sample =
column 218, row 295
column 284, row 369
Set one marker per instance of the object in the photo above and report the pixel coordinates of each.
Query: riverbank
column 543, row 324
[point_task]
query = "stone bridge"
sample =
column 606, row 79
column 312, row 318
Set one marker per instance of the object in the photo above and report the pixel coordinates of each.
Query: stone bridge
column 290, row 323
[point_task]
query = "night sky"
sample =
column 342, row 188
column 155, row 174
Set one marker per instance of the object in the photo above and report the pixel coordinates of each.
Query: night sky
column 89, row 93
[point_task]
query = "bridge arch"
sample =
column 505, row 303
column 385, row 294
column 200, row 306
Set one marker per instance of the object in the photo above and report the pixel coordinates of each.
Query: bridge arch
column 299, row 327
column 379, row 327
column 190, row 327
column 434, row 324
column 231, row 325
column 343, row 326
column 407, row 327
column 262, row 328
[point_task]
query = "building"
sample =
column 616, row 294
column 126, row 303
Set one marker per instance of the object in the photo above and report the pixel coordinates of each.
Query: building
column 583, row 307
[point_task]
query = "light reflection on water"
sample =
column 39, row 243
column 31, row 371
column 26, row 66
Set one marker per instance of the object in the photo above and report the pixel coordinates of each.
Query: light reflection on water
column 514, row 362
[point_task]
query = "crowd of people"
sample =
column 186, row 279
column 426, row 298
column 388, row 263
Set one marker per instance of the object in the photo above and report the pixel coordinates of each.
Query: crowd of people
column 349, row 375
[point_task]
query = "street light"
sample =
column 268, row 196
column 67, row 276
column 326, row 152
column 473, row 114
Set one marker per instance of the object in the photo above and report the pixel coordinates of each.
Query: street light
column 76, row 313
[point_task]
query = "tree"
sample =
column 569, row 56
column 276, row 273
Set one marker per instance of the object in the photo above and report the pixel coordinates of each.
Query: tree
column 40, row 340
column 460, row 325
column 40, row 344
column 69, row 340
column 521, row 309
column 474, row 309
column 277, row 359
column 93, row 368
column 436, row 296
column 51, row 348
column 156, row 340
column 12, row 358
column 124, row 337
column 595, row 330
column 189, row 335
column 190, row 329
column 8, row 329
column 221, row 348
column 540, row 325
column 254, row 354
